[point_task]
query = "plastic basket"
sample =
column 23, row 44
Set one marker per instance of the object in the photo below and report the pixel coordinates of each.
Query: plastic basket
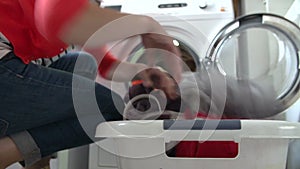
column 262, row 144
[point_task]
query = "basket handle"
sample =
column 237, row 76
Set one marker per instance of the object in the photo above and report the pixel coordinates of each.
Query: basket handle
column 202, row 125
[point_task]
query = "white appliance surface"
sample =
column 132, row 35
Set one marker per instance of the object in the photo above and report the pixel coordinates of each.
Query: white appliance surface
column 195, row 12
column 293, row 13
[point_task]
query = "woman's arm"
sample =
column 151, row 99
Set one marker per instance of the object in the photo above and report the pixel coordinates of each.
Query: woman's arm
column 92, row 27
column 100, row 26
column 74, row 22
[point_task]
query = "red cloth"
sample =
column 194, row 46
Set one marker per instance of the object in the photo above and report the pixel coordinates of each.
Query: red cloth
column 104, row 58
column 207, row 149
column 106, row 64
column 32, row 26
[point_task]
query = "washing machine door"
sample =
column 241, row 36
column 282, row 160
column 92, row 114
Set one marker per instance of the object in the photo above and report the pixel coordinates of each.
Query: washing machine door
column 190, row 40
column 266, row 52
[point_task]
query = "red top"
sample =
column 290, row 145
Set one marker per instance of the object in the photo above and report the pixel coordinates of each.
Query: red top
column 32, row 26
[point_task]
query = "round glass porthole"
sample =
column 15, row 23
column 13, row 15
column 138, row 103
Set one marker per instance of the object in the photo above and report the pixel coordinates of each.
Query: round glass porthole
column 189, row 57
column 262, row 49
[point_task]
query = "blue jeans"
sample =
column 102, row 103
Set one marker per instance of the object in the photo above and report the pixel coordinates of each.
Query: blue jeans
column 48, row 109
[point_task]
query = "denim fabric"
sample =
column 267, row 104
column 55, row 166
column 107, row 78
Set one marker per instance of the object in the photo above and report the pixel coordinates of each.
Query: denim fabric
column 41, row 100
column 3, row 127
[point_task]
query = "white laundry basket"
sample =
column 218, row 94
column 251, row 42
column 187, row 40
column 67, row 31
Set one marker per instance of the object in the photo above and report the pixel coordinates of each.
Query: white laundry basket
column 263, row 144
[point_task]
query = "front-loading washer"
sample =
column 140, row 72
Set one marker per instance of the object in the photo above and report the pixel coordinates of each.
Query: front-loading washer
column 192, row 24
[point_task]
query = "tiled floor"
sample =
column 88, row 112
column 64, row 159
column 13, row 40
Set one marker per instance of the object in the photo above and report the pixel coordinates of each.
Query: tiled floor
column 53, row 165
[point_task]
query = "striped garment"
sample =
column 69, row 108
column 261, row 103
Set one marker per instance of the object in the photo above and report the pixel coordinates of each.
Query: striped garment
column 5, row 48
column 48, row 61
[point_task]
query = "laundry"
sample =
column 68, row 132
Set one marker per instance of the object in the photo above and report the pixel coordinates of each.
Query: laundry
column 223, row 96
column 147, row 103
column 195, row 102
column 144, row 104
column 243, row 99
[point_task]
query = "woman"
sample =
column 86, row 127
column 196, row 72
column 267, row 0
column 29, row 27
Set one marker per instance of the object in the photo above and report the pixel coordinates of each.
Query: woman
column 45, row 109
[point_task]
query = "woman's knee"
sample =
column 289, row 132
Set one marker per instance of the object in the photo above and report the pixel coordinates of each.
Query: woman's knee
column 80, row 63
column 86, row 65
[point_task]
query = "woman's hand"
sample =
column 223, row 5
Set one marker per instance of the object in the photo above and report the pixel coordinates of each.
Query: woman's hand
column 162, row 46
column 159, row 79
column 151, row 77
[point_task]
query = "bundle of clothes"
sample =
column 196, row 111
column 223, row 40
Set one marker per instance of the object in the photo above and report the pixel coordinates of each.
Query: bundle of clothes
column 203, row 95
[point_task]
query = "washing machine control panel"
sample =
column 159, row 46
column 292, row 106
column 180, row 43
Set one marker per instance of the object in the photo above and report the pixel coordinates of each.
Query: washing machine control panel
column 171, row 7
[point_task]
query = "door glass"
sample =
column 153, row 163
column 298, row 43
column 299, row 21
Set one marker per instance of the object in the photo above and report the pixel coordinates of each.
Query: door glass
column 189, row 57
column 261, row 55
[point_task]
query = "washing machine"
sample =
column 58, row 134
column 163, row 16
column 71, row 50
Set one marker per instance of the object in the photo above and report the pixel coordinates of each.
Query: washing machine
column 192, row 24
